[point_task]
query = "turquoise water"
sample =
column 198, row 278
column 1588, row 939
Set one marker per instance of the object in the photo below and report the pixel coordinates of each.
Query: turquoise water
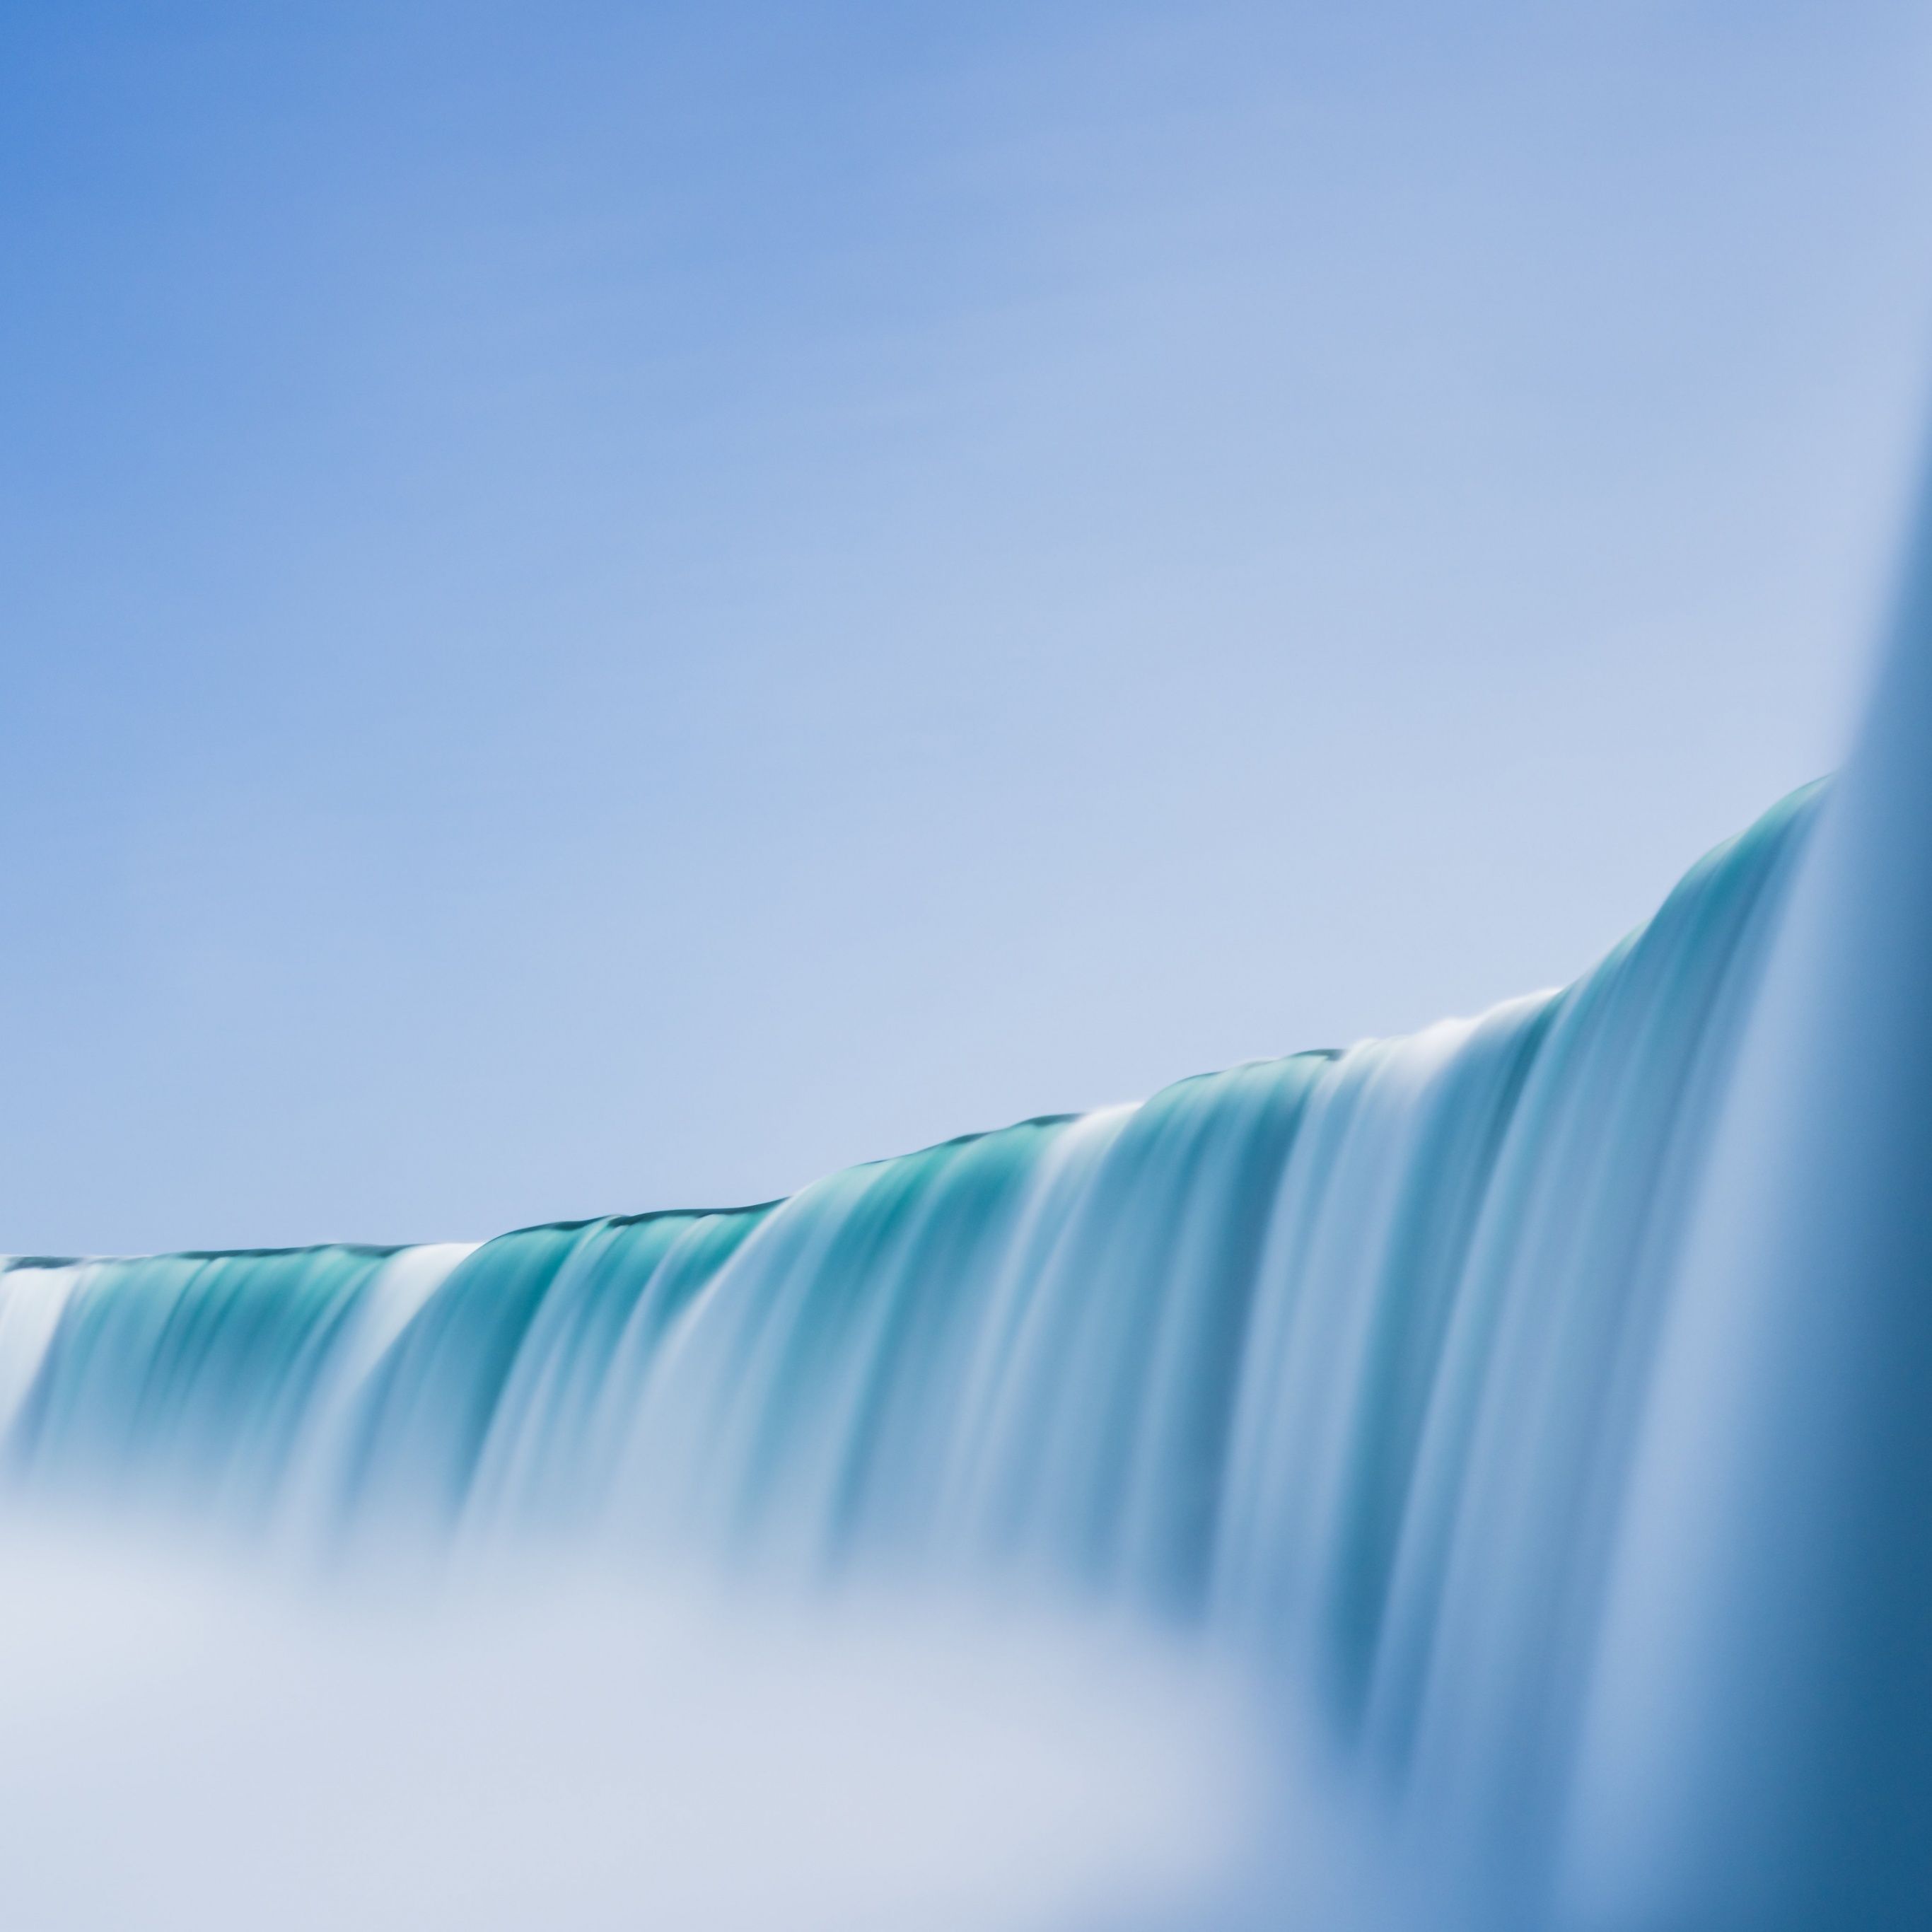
column 1341, row 1359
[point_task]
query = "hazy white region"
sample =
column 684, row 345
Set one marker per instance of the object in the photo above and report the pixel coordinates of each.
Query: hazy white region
column 187, row 1745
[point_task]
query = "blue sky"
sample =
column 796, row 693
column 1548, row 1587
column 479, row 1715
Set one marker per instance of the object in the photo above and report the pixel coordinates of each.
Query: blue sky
column 606, row 606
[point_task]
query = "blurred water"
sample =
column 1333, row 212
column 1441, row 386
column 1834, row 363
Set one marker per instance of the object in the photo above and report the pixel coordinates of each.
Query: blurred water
column 1757, row 1755
column 1330, row 1373
column 190, row 1742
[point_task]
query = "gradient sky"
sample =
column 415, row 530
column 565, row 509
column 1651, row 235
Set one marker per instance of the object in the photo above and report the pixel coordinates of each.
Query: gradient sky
column 605, row 607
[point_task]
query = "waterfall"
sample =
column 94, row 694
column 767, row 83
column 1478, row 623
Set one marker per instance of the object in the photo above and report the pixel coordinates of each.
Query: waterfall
column 1343, row 1360
column 1535, row 1407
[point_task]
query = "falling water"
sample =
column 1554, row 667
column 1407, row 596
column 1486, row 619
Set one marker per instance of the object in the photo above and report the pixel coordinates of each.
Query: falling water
column 1534, row 1409
column 1339, row 1361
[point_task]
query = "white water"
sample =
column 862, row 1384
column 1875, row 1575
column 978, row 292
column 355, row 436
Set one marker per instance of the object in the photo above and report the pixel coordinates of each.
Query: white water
column 191, row 1744
column 1317, row 1378
column 1475, row 1480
